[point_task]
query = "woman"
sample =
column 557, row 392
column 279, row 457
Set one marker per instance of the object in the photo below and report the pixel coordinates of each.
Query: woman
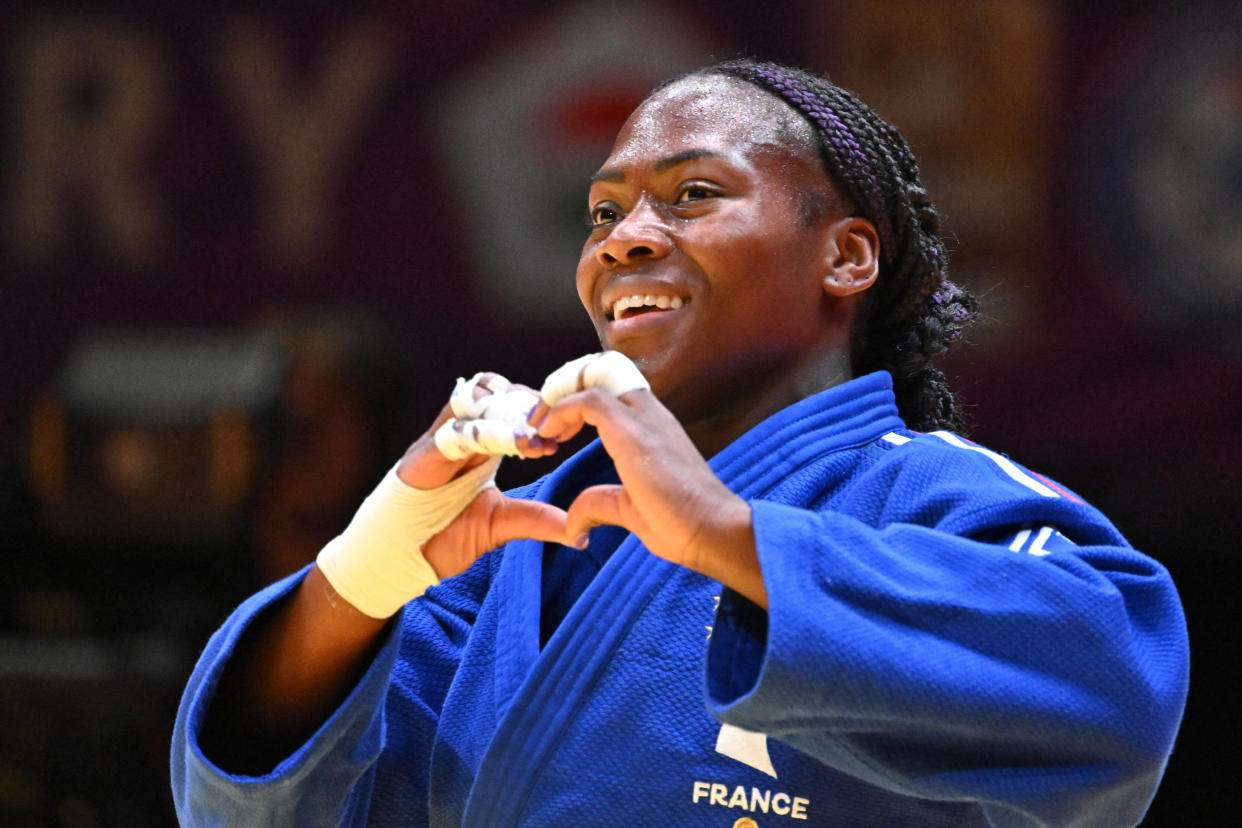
column 837, row 620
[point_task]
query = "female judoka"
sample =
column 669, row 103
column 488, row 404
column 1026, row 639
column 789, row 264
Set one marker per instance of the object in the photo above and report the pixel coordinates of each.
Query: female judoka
column 780, row 588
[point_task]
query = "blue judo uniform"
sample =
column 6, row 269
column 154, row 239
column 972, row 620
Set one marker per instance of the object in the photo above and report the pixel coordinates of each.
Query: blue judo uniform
column 952, row 640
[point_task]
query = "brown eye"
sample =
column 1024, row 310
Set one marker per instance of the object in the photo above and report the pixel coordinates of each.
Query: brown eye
column 693, row 193
column 603, row 216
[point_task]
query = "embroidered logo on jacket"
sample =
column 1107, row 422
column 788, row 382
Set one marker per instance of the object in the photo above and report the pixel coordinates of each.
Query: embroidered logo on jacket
column 752, row 800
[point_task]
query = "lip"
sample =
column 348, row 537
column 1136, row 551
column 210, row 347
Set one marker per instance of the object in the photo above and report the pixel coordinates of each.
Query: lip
column 622, row 289
column 642, row 323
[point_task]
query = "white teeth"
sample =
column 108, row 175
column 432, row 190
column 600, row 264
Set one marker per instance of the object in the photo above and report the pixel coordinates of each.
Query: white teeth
column 639, row 300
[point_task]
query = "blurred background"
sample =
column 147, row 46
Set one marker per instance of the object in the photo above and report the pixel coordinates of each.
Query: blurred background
column 245, row 249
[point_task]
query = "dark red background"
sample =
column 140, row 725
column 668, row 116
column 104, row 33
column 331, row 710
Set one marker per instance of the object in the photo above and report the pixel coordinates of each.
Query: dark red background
column 1089, row 372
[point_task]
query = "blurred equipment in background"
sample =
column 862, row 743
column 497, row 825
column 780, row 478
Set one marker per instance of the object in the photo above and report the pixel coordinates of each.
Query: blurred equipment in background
column 204, row 463
column 170, row 473
column 153, row 438
column 142, row 458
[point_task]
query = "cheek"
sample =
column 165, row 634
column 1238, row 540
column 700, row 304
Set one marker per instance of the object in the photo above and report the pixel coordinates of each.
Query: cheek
column 584, row 279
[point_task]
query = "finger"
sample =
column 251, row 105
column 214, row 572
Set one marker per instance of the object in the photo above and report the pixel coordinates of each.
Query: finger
column 446, row 414
column 610, row 370
column 491, row 384
column 484, row 384
column 422, row 465
column 636, row 396
column 538, row 413
column 464, row 397
column 458, row 439
column 492, row 397
column 567, row 417
column 597, row 506
column 513, row 519
column 562, row 432
column 535, row 446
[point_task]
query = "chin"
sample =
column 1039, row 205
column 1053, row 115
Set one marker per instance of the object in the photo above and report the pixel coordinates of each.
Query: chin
column 672, row 385
column 653, row 366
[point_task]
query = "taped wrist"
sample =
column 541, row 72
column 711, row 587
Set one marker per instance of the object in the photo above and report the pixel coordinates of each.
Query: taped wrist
column 611, row 370
column 377, row 563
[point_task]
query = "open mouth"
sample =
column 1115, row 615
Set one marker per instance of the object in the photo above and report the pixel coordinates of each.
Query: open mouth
column 636, row 304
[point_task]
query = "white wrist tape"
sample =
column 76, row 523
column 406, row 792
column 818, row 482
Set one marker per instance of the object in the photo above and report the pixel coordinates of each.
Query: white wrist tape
column 611, row 370
column 377, row 563
column 491, row 424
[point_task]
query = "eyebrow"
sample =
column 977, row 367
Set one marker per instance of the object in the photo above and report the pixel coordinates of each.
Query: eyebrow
column 665, row 163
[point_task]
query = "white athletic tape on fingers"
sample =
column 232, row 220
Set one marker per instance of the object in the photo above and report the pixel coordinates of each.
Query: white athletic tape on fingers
column 490, row 424
column 611, row 370
column 377, row 563
column 459, row 439
column 510, row 406
column 463, row 402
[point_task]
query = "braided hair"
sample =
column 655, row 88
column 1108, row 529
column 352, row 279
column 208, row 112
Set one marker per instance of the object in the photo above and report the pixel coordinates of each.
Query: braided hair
column 914, row 313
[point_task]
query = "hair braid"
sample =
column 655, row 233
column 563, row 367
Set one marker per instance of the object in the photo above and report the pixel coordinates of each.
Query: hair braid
column 914, row 313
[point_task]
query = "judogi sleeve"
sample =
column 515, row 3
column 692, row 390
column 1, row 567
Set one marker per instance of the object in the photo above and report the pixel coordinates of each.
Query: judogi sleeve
column 928, row 646
column 327, row 781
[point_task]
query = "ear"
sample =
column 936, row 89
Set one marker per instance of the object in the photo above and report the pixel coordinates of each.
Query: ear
column 851, row 256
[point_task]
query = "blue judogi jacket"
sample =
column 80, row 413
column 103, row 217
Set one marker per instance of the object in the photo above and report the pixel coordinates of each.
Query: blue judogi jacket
column 952, row 640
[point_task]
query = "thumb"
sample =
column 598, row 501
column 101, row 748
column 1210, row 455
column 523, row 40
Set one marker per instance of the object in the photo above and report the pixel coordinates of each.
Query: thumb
column 513, row 519
column 596, row 506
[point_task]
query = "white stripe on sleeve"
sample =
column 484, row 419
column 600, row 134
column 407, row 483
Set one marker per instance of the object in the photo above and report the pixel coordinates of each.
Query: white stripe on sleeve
column 1006, row 465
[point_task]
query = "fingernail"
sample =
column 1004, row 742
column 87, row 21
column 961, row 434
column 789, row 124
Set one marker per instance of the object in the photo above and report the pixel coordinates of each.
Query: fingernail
column 581, row 541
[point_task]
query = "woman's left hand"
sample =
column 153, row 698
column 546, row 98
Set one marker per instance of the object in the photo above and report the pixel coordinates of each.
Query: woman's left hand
column 669, row 497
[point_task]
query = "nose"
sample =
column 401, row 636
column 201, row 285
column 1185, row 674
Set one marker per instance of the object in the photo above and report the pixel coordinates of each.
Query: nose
column 640, row 235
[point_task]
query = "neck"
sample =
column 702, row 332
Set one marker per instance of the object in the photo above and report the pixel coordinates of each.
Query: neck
column 742, row 402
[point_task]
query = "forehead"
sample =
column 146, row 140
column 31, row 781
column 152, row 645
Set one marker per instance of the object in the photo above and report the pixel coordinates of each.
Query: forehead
column 711, row 112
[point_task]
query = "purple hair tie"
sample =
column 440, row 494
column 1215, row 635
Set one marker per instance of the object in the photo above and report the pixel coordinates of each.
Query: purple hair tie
column 959, row 313
column 803, row 98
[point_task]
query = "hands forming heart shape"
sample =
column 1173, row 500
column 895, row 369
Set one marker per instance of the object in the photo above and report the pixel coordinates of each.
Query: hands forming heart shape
column 668, row 496
column 439, row 509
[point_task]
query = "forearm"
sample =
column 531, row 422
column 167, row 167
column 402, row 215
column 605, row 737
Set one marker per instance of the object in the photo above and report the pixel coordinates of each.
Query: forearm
column 295, row 666
column 891, row 654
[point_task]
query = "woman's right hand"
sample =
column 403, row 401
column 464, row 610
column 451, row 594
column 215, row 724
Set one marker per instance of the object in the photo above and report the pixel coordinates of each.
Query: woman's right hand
column 490, row 519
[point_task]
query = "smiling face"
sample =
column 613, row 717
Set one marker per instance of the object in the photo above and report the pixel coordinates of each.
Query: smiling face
column 706, row 259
